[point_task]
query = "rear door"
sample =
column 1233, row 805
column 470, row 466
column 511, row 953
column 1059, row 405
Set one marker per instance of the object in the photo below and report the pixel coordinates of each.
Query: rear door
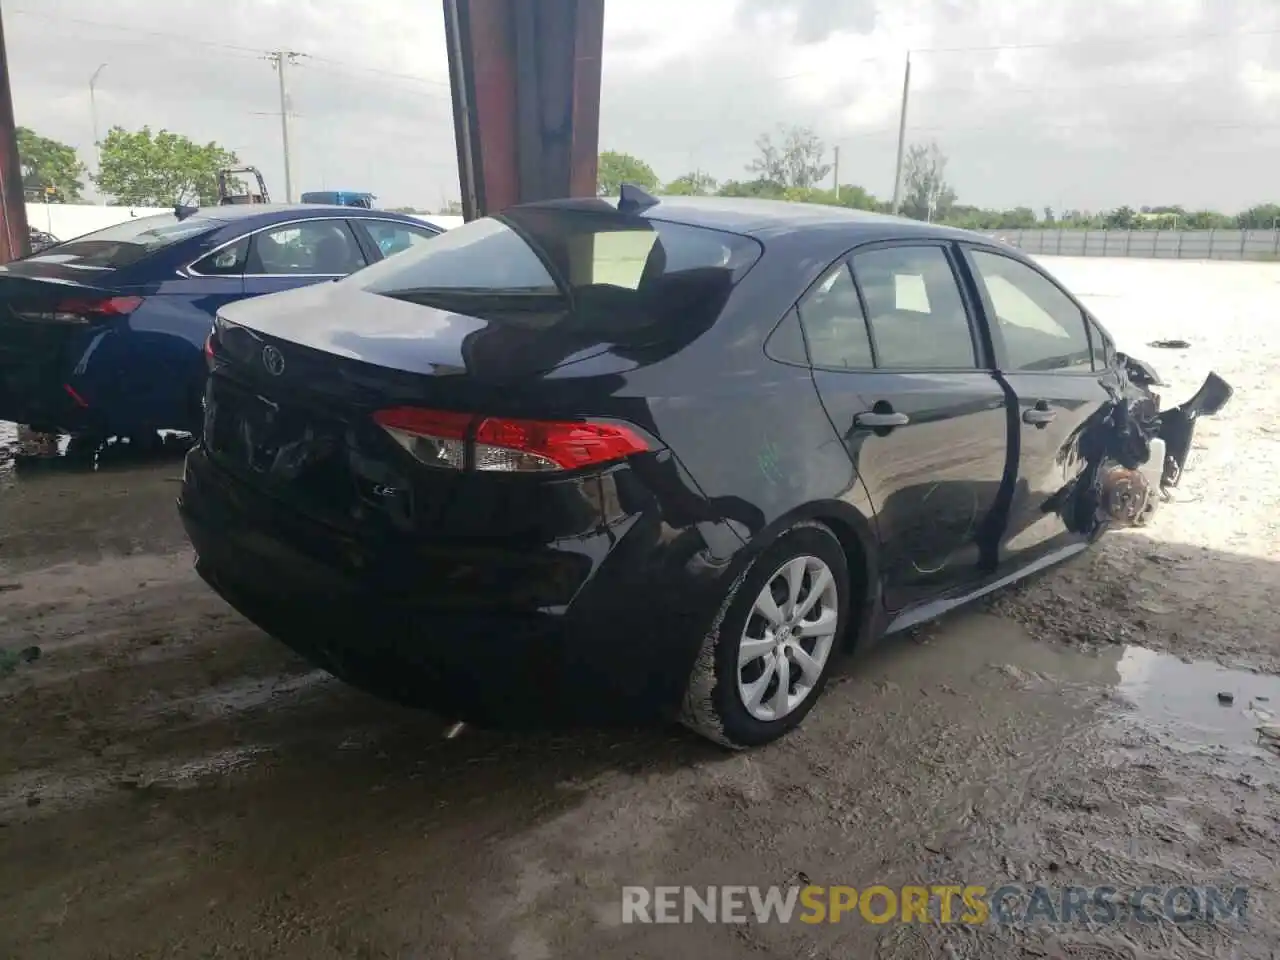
column 1044, row 351
column 299, row 253
column 385, row 238
column 905, row 379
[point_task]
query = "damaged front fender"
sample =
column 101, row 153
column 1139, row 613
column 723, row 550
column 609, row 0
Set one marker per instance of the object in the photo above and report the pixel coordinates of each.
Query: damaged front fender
column 1178, row 426
column 1139, row 451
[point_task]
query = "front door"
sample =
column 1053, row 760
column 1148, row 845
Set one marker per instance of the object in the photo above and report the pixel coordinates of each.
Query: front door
column 905, row 381
column 1043, row 349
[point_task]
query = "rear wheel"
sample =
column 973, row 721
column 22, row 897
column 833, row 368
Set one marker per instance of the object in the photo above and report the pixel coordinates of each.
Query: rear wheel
column 770, row 649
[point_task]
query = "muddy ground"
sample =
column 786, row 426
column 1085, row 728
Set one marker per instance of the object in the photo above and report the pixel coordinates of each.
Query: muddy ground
column 175, row 784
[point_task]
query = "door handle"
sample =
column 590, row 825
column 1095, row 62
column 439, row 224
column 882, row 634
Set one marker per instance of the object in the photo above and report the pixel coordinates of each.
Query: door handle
column 1040, row 415
column 881, row 421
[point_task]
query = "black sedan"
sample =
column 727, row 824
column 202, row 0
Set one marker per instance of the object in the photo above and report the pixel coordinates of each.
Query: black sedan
column 586, row 461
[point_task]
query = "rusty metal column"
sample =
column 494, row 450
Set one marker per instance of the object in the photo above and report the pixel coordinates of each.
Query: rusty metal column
column 15, row 241
column 526, row 99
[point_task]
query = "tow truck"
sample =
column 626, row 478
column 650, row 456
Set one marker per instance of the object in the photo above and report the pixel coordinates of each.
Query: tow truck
column 237, row 176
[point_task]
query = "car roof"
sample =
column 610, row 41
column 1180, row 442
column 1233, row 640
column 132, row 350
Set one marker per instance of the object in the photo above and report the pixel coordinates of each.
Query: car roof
column 767, row 219
column 238, row 211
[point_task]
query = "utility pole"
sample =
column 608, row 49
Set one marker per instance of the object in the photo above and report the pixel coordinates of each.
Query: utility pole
column 835, row 173
column 902, row 137
column 93, row 116
column 280, row 59
column 15, row 241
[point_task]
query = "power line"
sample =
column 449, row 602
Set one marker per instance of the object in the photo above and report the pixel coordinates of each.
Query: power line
column 896, row 58
column 1100, row 41
column 313, row 58
column 100, row 25
column 256, row 52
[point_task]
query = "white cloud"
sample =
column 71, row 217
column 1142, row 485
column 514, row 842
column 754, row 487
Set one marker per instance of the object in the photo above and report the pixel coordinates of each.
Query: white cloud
column 1150, row 101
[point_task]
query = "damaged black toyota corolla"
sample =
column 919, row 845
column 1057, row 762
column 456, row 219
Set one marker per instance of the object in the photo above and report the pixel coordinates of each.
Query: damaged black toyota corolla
column 586, row 461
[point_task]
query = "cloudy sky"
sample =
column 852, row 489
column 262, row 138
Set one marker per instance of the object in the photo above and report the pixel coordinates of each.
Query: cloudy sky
column 1065, row 103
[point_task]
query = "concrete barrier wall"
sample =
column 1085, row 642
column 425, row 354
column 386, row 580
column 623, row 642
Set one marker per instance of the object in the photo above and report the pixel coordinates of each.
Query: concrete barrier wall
column 1148, row 244
column 67, row 221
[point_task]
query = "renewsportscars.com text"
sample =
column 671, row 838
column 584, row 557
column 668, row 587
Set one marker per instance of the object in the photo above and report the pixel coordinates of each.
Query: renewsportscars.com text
column 942, row 903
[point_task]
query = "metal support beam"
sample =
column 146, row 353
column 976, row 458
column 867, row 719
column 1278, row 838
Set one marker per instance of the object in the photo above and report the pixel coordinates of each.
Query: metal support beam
column 526, row 99
column 15, row 241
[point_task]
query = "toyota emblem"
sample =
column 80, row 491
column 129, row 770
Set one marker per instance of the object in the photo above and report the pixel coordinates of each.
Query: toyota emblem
column 273, row 360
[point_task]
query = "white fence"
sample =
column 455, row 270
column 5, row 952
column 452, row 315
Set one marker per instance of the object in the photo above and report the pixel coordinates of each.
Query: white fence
column 68, row 220
column 1152, row 244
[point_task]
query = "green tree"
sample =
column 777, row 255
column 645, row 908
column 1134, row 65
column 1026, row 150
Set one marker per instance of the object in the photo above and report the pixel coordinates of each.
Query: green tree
column 1207, row 220
column 696, row 184
column 760, row 187
column 1265, row 216
column 926, row 195
column 156, row 170
column 1121, row 218
column 855, row 198
column 797, row 159
column 48, row 163
column 618, row 168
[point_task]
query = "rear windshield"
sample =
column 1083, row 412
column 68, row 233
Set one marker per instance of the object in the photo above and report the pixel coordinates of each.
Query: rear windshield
column 599, row 271
column 123, row 243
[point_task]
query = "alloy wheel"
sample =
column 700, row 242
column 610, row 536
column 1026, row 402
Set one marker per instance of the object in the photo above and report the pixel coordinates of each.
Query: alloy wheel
column 788, row 638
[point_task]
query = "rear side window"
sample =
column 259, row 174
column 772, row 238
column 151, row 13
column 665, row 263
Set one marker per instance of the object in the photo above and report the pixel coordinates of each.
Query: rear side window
column 834, row 324
column 392, row 238
column 609, row 275
column 1041, row 326
column 786, row 343
column 227, row 262
column 915, row 310
column 123, row 244
column 1104, row 351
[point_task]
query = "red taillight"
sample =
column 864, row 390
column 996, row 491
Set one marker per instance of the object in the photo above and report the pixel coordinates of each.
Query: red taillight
column 437, row 438
column 551, row 445
column 82, row 309
column 79, row 400
column 499, row 444
column 208, row 347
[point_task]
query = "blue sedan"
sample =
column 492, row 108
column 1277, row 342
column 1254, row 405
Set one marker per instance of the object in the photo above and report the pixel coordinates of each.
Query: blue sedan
column 103, row 335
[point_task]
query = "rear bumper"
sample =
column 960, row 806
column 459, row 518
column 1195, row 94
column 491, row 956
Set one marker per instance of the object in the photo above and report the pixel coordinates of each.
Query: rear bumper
column 48, row 407
column 620, row 651
column 97, row 380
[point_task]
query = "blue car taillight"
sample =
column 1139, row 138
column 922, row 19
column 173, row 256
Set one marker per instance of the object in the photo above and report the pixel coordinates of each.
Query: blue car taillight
column 80, row 310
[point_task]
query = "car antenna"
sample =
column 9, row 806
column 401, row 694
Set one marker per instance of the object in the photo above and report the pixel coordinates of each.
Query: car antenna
column 633, row 199
column 182, row 212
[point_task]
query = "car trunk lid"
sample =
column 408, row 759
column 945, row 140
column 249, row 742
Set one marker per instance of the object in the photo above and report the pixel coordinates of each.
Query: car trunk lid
column 300, row 378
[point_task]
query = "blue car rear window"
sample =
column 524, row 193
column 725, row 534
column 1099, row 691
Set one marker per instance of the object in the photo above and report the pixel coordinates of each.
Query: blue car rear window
column 124, row 243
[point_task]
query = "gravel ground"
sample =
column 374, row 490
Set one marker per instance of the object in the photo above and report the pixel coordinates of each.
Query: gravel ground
column 175, row 784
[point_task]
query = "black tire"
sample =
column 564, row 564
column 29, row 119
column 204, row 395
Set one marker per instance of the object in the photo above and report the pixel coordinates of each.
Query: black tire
column 713, row 707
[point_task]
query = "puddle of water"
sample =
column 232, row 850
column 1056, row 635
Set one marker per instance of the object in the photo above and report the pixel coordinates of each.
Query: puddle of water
column 1179, row 703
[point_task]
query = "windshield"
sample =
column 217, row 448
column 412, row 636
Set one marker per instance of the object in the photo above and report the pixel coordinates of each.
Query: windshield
column 596, row 271
column 122, row 244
